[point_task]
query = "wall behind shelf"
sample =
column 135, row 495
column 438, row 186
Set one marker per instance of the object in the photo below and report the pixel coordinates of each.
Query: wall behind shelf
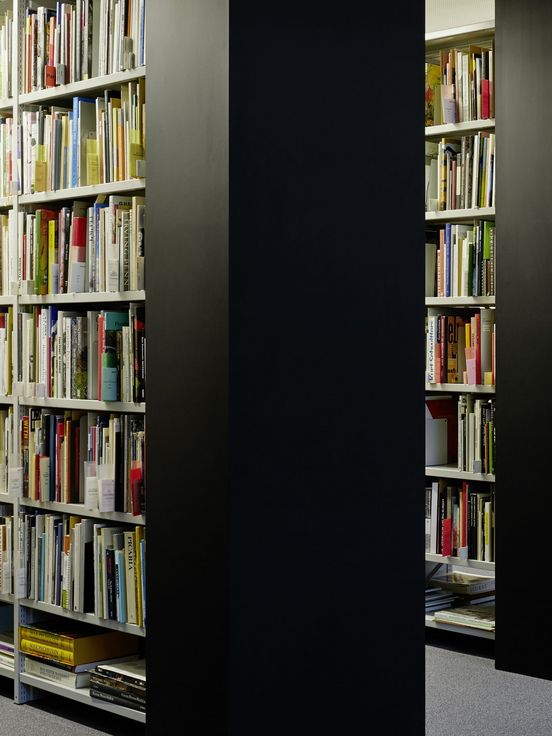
column 444, row 14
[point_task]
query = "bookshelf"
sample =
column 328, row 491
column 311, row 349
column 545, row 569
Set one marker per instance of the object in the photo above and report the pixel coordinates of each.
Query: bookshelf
column 21, row 297
column 459, row 307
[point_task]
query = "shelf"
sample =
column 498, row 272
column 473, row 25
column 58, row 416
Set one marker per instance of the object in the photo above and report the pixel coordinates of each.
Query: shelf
column 9, row 400
column 478, row 564
column 7, row 498
column 458, row 215
column 81, row 88
column 6, row 671
column 116, row 187
column 88, row 618
column 456, row 36
column 460, row 388
column 6, row 103
column 6, row 202
column 86, row 298
column 469, row 630
column 81, row 695
column 7, row 301
column 451, row 471
column 79, row 509
column 455, row 129
column 85, row 405
column 460, row 301
column 6, row 598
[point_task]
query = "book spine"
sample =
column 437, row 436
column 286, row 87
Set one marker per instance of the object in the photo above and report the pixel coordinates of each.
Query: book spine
column 46, row 637
column 116, row 700
column 31, row 647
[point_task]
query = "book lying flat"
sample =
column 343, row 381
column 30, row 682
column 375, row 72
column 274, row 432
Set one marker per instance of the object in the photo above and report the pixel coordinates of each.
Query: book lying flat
column 459, row 582
column 478, row 617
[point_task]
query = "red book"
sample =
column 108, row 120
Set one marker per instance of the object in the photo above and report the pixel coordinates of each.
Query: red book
column 136, row 490
column 485, row 109
column 101, row 348
column 40, row 493
column 60, row 432
column 446, row 547
column 478, row 348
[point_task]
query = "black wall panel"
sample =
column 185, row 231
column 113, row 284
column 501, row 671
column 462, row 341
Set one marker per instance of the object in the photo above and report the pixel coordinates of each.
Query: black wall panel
column 524, row 342
column 326, row 367
column 187, row 364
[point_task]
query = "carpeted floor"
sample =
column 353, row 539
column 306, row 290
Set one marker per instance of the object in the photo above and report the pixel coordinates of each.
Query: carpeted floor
column 465, row 695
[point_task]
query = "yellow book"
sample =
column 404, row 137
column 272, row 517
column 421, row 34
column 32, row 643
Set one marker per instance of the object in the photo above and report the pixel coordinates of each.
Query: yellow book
column 139, row 535
column 92, row 161
column 468, row 335
column 52, row 258
column 84, row 648
column 45, row 637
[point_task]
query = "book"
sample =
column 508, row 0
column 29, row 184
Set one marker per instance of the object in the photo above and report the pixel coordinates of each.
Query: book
column 479, row 617
column 464, row 583
column 77, row 645
column 116, row 699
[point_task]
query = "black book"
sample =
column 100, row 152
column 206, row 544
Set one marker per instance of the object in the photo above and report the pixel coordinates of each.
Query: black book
column 116, row 699
column 102, row 684
column 111, row 591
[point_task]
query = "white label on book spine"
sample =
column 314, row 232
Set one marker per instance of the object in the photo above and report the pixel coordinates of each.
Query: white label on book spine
column 90, row 486
column 463, row 553
column 15, row 481
column 20, row 583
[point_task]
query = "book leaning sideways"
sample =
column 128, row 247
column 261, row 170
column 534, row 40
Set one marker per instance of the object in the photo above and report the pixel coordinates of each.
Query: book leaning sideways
column 459, row 582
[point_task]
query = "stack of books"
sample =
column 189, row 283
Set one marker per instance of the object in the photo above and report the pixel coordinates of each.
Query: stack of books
column 436, row 599
column 122, row 684
column 66, row 651
column 6, row 649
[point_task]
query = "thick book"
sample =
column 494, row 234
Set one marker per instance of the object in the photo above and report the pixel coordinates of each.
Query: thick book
column 478, row 617
column 54, row 673
column 117, row 687
column 464, row 583
column 132, row 672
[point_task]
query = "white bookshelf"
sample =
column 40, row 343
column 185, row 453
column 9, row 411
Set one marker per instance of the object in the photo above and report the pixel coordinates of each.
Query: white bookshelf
column 469, row 630
column 451, row 471
column 455, row 129
column 473, row 213
column 88, row 618
column 84, row 298
column 79, row 509
column 80, row 695
column 463, row 388
column 28, row 687
column 460, row 562
column 117, row 187
column 6, row 671
column 460, row 301
column 82, row 88
column 459, row 37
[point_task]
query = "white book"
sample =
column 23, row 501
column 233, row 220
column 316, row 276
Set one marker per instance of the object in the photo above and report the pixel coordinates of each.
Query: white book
column 475, row 174
column 434, row 516
column 488, row 540
column 130, row 563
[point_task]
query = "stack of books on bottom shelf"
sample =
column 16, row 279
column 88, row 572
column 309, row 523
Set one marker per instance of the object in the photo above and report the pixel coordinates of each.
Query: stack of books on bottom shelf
column 6, row 649
column 123, row 684
column 66, row 653
column 472, row 602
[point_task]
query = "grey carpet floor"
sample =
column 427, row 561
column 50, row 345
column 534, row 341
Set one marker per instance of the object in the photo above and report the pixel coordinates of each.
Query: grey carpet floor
column 465, row 695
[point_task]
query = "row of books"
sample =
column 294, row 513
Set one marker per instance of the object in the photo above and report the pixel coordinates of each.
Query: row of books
column 80, row 40
column 6, row 551
column 6, row 50
column 96, row 141
column 7, row 647
column 76, row 248
column 460, row 173
column 460, row 520
column 460, row 349
column 6, row 330
column 84, row 565
column 9, row 157
column 462, row 260
column 476, row 434
column 82, row 355
column 80, row 457
column 461, row 86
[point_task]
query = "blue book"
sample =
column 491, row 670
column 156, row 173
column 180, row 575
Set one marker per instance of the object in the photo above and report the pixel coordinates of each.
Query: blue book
column 59, row 549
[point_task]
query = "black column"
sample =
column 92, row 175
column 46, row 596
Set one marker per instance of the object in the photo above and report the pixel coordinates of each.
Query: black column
column 326, row 367
column 524, row 342
column 187, row 364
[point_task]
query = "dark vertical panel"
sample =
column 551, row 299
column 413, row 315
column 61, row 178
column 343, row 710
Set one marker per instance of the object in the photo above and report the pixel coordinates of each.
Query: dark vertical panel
column 524, row 343
column 187, row 367
column 326, row 367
